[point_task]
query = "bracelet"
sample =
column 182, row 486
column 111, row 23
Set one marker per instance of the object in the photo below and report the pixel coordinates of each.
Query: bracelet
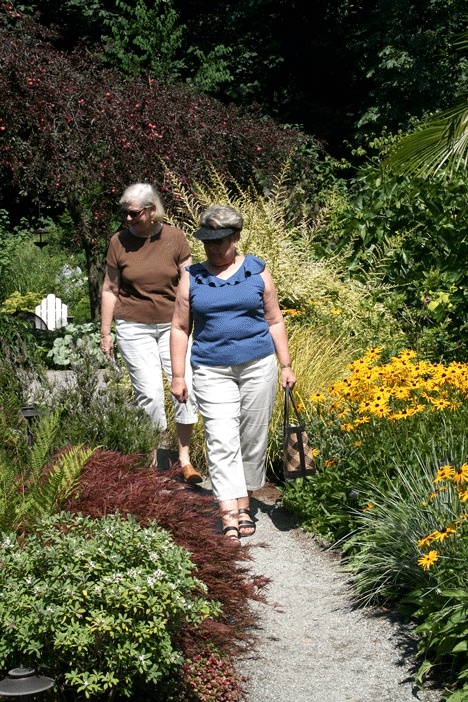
column 285, row 365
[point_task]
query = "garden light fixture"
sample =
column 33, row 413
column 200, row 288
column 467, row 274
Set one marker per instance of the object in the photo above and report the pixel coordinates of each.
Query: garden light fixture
column 29, row 413
column 23, row 682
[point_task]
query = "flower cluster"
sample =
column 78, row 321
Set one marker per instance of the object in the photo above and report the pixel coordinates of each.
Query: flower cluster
column 455, row 479
column 396, row 390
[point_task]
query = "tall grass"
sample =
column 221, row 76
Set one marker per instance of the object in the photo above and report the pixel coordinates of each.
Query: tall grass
column 318, row 289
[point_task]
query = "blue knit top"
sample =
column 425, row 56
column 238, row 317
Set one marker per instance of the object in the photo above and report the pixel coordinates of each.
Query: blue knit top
column 229, row 319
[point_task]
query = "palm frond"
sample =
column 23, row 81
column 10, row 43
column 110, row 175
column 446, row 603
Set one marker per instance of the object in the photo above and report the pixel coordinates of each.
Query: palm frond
column 441, row 143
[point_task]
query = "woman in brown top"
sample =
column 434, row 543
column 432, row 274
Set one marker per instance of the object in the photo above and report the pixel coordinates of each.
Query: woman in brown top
column 145, row 262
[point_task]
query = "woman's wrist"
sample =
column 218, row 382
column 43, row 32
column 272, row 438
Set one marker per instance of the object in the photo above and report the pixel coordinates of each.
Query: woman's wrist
column 285, row 365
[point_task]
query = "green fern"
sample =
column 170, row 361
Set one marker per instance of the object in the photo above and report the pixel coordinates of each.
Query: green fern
column 45, row 497
column 39, row 486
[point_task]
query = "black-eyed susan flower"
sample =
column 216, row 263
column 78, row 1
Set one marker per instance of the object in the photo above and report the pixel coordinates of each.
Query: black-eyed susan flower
column 428, row 559
column 443, row 533
column 444, row 473
column 463, row 495
column 460, row 475
column 425, row 541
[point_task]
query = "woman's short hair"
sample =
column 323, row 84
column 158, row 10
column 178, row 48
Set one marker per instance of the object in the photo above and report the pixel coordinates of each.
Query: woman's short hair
column 221, row 217
column 145, row 194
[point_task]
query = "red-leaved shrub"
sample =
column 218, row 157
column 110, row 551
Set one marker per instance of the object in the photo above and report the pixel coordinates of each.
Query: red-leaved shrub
column 114, row 483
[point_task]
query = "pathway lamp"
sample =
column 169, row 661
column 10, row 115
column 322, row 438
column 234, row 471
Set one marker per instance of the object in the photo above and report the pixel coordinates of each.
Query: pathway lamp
column 29, row 413
column 23, row 683
column 40, row 244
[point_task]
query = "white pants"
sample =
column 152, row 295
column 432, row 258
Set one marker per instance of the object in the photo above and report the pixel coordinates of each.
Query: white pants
column 236, row 403
column 145, row 350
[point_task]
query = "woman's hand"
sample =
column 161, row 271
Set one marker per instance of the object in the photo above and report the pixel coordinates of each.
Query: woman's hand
column 287, row 378
column 107, row 345
column 179, row 389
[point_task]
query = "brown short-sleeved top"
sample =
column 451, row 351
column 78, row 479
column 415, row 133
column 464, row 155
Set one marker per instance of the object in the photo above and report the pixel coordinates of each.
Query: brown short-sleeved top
column 149, row 273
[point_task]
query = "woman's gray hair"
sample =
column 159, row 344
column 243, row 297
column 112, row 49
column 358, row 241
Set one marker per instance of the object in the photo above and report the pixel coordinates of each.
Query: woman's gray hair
column 221, row 217
column 146, row 195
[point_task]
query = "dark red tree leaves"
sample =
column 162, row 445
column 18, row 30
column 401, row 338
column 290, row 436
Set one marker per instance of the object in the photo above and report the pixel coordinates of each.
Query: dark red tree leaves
column 115, row 483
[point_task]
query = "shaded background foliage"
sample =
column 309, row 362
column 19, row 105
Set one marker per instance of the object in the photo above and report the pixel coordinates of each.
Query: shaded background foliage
column 338, row 68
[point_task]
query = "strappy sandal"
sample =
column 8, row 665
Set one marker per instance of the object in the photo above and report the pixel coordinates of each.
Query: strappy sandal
column 232, row 537
column 246, row 523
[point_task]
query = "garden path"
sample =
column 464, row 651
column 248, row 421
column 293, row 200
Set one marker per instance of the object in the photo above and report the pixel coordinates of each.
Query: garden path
column 314, row 646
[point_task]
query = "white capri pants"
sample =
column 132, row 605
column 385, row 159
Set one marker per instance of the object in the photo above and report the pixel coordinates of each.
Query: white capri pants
column 145, row 351
column 236, row 403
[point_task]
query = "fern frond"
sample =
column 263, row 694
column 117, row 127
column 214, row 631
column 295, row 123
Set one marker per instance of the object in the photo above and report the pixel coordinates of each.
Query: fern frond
column 45, row 433
column 11, row 496
column 46, row 496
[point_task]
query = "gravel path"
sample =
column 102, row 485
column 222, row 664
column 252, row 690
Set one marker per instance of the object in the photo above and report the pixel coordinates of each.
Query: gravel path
column 313, row 646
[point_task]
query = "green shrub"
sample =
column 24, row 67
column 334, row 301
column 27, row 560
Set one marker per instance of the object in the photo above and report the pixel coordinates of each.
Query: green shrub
column 96, row 407
column 96, row 603
column 413, row 231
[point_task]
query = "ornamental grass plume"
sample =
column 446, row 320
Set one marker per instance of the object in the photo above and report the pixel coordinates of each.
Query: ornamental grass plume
column 314, row 290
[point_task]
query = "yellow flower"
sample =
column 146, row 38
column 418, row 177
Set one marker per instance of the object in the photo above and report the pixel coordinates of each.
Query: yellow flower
column 404, row 414
column 361, row 420
column 460, row 475
column 434, row 494
column 463, row 495
column 330, row 462
column 357, row 443
column 439, row 403
column 300, row 407
column 336, row 310
column 369, row 506
column 317, row 397
column 425, row 541
column 444, row 473
column 315, row 452
column 443, row 533
column 428, row 559
column 292, row 312
column 347, row 427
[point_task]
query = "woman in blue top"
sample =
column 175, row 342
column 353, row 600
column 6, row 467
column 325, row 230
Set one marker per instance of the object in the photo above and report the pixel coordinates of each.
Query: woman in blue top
column 231, row 302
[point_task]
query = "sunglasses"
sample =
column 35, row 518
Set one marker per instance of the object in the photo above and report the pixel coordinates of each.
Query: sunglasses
column 218, row 242
column 133, row 213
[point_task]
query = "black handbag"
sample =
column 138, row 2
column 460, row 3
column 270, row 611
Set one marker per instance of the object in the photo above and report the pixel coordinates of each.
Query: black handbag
column 298, row 459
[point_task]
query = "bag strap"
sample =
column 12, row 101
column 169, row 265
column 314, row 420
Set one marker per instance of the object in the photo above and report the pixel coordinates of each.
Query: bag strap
column 289, row 398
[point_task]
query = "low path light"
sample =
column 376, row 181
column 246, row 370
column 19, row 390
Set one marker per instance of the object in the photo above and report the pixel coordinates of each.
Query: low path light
column 29, row 413
column 23, row 682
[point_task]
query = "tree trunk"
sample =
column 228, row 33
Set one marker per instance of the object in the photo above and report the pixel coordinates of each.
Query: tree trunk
column 95, row 261
column 96, row 269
